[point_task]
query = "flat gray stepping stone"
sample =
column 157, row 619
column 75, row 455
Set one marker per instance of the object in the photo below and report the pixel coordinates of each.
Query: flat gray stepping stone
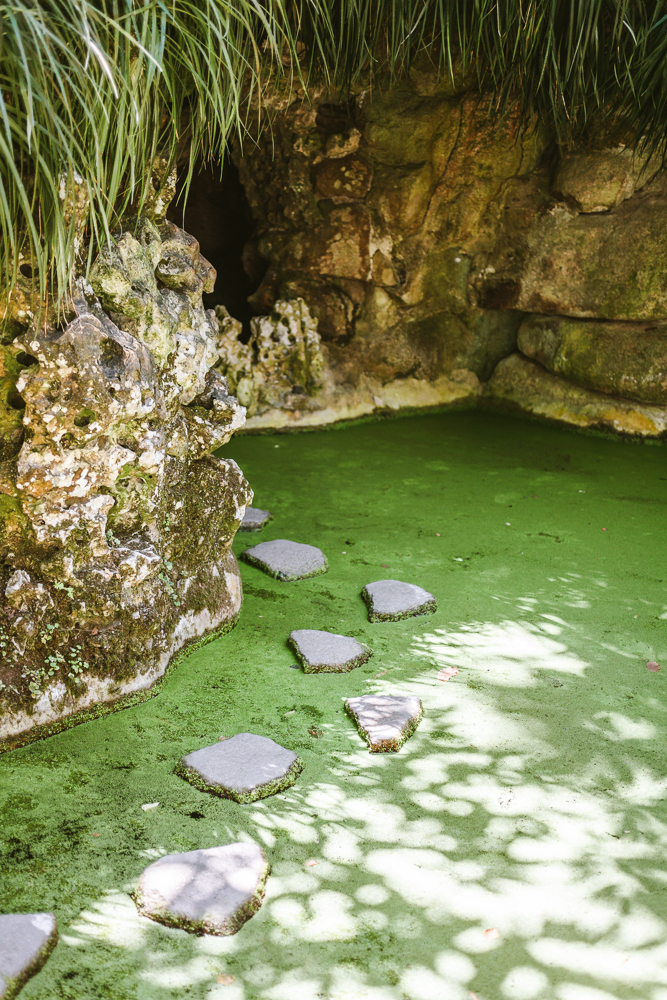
column 26, row 941
column 254, row 519
column 326, row 652
column 385, row 721
column 286, row 560
column 210, row 891
column 392, row 600
column 244, row 768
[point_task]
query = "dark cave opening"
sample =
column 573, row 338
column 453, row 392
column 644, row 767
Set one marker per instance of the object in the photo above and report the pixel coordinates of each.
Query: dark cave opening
column 218, row 215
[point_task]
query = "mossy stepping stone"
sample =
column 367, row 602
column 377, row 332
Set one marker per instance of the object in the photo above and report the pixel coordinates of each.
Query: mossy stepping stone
column 385, row 721
column 26, row 941
column 286, row 560
column 254, row 519
column 244, row 768
column 210, row 891
column 393, row 600
column 327, row 653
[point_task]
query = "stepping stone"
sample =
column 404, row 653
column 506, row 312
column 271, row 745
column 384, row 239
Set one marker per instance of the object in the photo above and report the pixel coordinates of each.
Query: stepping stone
column 26, row 941
column 254, row 519
column 385, row 721
column 210, row 891
column 286, row 560
column 244, row 768
column 392, row 600
column 326, row 652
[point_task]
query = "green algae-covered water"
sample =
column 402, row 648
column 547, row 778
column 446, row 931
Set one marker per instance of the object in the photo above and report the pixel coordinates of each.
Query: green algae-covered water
column 514, row 848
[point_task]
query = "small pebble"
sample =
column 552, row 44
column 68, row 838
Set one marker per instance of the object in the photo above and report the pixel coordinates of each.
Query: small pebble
column 653, row 666
column 492, row 933
column 150, row 805
column 309, row 864
column 225, row 980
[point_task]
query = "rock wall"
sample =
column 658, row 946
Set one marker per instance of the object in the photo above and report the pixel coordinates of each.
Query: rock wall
column 430, row 244
column 107, row 427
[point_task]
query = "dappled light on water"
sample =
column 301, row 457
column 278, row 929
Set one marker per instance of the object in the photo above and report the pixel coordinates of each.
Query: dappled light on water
column 487, row 851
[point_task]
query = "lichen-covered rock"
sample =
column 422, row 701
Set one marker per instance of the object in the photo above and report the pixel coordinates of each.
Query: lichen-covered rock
column 597, row 180
column 525, row 386
column 281, row 365
column 553, row 260
column 373, row 210
column 622, row 359
column 116, row 520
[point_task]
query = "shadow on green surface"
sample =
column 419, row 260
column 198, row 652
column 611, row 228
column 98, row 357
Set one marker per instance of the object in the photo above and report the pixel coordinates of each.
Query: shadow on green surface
column 514, row 848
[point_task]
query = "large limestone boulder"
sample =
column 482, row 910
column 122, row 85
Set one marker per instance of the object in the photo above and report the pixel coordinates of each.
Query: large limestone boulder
column 598, row 180
column 554, row 260
column 523, row 385
column 373, row 209
column 116, row 520
column 622, row 359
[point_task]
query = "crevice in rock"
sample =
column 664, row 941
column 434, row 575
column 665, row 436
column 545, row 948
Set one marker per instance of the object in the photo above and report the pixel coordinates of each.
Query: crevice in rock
column 217, row 213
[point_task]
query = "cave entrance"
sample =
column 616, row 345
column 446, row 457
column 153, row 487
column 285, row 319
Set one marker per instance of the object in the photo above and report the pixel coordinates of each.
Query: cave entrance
column 217, row 213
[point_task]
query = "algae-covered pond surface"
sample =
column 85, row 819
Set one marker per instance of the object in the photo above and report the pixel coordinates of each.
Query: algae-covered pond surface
column 514, row 848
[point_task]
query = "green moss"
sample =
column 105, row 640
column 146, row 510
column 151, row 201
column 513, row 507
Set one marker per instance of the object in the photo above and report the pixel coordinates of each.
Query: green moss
column 503, row 792
column 270, row 788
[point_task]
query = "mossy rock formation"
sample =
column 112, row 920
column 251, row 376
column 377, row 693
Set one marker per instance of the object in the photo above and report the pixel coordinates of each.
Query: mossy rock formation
column 116, row 519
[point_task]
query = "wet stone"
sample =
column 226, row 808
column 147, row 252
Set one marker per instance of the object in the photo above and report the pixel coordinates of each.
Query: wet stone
column 286, row 560
column 26, row 941
column 327, row 653
column 392, row 600
column 385, row 721
column 210, row 891
column 254, row 519
column 244, row 768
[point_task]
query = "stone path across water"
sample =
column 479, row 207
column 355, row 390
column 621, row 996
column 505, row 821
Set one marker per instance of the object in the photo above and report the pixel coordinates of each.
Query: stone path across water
column 385, row 721
column 244, row 768
column 327, row 653
column 211, row 891
column 26, row 941
column 393, row 600
column 286, row 560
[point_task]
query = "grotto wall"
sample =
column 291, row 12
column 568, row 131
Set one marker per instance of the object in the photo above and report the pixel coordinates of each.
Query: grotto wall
column 108, row 423
column 447, row 260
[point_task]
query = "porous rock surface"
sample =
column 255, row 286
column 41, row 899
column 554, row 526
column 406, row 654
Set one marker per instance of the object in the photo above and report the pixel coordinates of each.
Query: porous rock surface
column 286, row 560
column 621, row 359
column 522, row 384
column 244, row 768
column 385, row 721
column 393, row 600
column 281, row 365
column 116, row 520
column 209, row 891
column 26, row 941
column 421, row 231
column 254, row 519
column 325, row 652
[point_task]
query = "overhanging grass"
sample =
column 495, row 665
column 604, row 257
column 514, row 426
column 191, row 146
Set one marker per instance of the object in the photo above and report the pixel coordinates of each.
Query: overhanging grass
column 90, row 90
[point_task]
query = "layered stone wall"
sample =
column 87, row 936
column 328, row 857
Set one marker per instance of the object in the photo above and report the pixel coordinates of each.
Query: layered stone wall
column 116, row 520
column 429, row 244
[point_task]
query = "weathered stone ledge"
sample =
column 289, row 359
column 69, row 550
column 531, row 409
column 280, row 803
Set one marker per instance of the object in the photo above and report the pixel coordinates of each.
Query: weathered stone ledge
column 525, row 386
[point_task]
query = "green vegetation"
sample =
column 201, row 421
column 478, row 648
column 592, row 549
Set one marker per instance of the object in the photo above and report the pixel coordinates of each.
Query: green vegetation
column 92, row 91
column 530, row 800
